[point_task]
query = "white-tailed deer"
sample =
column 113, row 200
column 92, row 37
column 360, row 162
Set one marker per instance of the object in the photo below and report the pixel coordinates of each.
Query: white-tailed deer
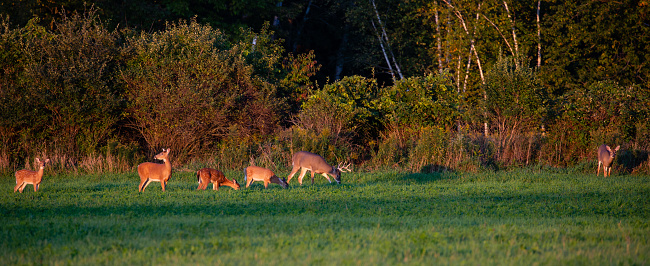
column 256, row 173
column 207, row 175
column 150, row 172
column 606, row 158
column 307, row 161
column 25, row 177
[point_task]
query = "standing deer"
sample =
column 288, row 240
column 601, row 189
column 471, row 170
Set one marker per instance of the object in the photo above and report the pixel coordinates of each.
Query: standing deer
column 150, row 172
column 25, row 177
column 256, row 173
column 606, row 157
column 207, row 175
column 307, row 161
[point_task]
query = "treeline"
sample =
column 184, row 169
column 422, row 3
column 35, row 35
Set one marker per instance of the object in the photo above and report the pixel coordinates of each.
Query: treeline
column 94, row 99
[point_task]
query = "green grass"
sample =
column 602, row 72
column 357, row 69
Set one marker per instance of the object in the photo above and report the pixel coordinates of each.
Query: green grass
column 516, row 218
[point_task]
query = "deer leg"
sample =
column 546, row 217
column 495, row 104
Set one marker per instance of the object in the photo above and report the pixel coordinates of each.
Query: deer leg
column 303, row 171
column 22, row 187
column 598, row 171
column 266, row 184
column 328, row 177
column 215, row 186
column 36, row 187
column 146, row 183
column 312, row 177
column 293, row 172
column 18, row 185
column 162, row 184
column 248, row 182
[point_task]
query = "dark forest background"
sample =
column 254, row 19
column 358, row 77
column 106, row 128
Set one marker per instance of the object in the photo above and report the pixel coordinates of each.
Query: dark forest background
column 414, row 85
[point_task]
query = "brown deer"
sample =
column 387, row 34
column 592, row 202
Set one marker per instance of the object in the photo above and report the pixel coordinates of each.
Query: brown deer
column 150, row 172
column 256, row 173
column 207, row 175
column 25, row 177
column 307, row 161
column 606, row 158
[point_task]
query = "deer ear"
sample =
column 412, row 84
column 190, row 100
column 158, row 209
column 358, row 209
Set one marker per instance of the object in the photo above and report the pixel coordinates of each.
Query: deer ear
column 38, row 161
column 47, row 160
column 617, row 147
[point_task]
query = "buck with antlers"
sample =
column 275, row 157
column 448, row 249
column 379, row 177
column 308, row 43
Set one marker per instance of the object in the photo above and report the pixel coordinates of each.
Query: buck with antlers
column 256, row 173
column 207, row 175
column 25, row 177
column 307, row 161
column 150, row 172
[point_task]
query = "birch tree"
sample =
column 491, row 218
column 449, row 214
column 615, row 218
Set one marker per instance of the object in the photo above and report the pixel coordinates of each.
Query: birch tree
column 383, row 39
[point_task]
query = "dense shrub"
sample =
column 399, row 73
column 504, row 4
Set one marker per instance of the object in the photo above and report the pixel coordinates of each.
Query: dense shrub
column 187, row 87
column 427, row 101
column 95, row 100
column 63, row 96
column 516, row 108
column 603, row 112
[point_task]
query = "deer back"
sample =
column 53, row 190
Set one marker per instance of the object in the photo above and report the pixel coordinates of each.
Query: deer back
column 258, row 173
column 313, row 162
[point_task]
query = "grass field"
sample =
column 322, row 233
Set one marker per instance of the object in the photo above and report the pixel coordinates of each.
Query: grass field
column 507, row 218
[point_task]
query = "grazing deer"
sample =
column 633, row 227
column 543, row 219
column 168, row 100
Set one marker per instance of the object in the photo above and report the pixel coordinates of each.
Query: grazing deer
column 307, row 161
column 606, row 157
column 25, row 177
column 150, row 172
column 256, row 173
column 207, row 175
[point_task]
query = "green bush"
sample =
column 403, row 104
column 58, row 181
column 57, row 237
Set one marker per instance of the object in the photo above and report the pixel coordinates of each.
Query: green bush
column 62, row 96
column 602, row 113
column 187, row 87
column 516, row 108
column 428, row 101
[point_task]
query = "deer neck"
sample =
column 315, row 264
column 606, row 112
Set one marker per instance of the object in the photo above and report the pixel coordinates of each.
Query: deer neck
column 39, row 173
column 168, row 165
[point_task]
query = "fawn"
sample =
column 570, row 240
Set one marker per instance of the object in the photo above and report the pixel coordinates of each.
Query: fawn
column 25, row 177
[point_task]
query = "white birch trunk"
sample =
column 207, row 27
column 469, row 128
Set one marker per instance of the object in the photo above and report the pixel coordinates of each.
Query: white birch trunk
column 514, row 34
column 385, row 37
column 502, row 36
column 383, row 50
column 439, row 39
column 473, row 48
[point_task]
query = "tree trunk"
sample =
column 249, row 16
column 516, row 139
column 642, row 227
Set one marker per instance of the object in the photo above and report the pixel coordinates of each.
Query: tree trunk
column 301, row 27
column 340, row 54
column 539, row 37
column 383, row 50
column 502, row 36
column 385, row 37
column 514, row 34
column 438, row 39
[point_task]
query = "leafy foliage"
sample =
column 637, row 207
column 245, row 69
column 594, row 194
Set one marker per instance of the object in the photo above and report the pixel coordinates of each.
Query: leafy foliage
column 187, row 87
column 64, row 93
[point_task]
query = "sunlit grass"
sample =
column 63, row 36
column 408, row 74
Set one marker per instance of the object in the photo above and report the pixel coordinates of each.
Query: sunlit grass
column 519, row 217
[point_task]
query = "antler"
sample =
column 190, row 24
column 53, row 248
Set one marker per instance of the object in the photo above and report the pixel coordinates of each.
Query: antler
column 344, row 168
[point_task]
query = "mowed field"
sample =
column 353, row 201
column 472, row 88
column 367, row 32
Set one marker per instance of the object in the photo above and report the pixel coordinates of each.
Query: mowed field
column 522, row 217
